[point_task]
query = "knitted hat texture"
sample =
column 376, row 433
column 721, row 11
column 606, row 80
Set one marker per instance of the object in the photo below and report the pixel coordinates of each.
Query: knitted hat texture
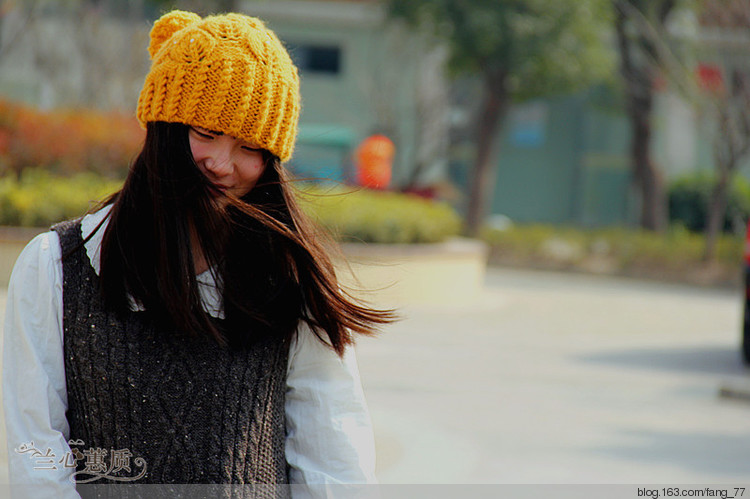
column 226, row 73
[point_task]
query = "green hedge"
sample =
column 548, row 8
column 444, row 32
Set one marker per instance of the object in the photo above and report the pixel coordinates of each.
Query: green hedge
column 673, row 254
column 379, row 217
column 41, row 199
column 689, row 197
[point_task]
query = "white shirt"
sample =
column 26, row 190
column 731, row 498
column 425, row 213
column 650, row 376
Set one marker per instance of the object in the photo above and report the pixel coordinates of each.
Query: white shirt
column 329, row 435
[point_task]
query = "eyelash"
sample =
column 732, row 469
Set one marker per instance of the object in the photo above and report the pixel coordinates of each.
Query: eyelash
column 202, row 134
column 211, row 136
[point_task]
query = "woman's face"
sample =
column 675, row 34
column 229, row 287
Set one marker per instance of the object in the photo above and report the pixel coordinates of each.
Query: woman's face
column 232, row 165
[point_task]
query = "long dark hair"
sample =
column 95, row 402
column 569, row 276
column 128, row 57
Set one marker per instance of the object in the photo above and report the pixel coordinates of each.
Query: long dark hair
column 270, row 261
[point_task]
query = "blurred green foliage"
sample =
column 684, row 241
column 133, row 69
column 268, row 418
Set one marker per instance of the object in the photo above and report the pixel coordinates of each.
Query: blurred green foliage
column 674, row 255
column 379, row 217
column 542, row 47
column 690, row 195
column 40, row 199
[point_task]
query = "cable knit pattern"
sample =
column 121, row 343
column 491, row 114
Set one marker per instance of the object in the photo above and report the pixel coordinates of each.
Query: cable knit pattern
column 227, row 73
column 195, row 411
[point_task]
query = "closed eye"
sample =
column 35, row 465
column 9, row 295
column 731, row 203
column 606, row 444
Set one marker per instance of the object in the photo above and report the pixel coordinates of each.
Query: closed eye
column 206, row 134
column 251, row 149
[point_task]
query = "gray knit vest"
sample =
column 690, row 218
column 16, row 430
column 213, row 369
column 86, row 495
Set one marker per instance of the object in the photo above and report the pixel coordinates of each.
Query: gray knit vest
column 194, row 411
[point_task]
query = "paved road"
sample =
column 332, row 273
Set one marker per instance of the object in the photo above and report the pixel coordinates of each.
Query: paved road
column 556, row 378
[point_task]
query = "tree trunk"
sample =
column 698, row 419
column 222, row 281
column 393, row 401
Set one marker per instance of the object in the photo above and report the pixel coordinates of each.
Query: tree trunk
column 715, row 216
column 639, row 84
column 492, row 111
column 646, row 176
column 731, row 144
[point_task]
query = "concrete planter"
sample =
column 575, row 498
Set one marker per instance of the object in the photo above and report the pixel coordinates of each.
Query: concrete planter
column 406, row 274
column 385, row 274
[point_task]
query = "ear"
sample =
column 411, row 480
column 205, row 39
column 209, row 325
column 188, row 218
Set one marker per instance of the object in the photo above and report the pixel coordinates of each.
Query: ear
column 167, row 25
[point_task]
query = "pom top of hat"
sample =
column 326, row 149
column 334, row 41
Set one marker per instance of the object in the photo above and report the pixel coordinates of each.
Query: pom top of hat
column 167, row 25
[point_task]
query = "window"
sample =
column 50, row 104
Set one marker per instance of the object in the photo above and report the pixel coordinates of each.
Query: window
column 317, row 58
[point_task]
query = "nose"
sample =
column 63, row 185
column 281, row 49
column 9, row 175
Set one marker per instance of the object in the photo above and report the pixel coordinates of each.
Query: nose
column 219, row 160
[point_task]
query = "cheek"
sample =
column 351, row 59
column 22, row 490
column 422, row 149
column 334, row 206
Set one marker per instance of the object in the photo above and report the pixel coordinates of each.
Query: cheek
column 250, row 172
column 197, row 149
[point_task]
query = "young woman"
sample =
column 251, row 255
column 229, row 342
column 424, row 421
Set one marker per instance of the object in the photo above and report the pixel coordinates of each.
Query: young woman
column 192, row 330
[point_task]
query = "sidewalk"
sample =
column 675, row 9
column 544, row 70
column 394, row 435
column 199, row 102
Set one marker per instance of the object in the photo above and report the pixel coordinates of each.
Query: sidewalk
column 560, row 378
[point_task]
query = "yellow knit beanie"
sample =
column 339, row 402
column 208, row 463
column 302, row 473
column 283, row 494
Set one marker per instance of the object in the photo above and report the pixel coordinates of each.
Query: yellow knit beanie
column 225, row 73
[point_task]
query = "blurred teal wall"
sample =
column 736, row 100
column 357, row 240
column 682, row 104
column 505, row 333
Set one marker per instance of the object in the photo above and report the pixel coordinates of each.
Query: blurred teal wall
column 539, row 162
column 561, row 161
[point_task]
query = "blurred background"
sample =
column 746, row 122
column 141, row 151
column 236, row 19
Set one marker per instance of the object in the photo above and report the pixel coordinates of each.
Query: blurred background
column 583, row 114
column 610, row 137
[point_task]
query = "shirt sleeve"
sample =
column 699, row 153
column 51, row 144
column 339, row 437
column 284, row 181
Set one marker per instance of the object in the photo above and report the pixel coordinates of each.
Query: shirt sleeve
column 33, row 373
column 329, row 433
